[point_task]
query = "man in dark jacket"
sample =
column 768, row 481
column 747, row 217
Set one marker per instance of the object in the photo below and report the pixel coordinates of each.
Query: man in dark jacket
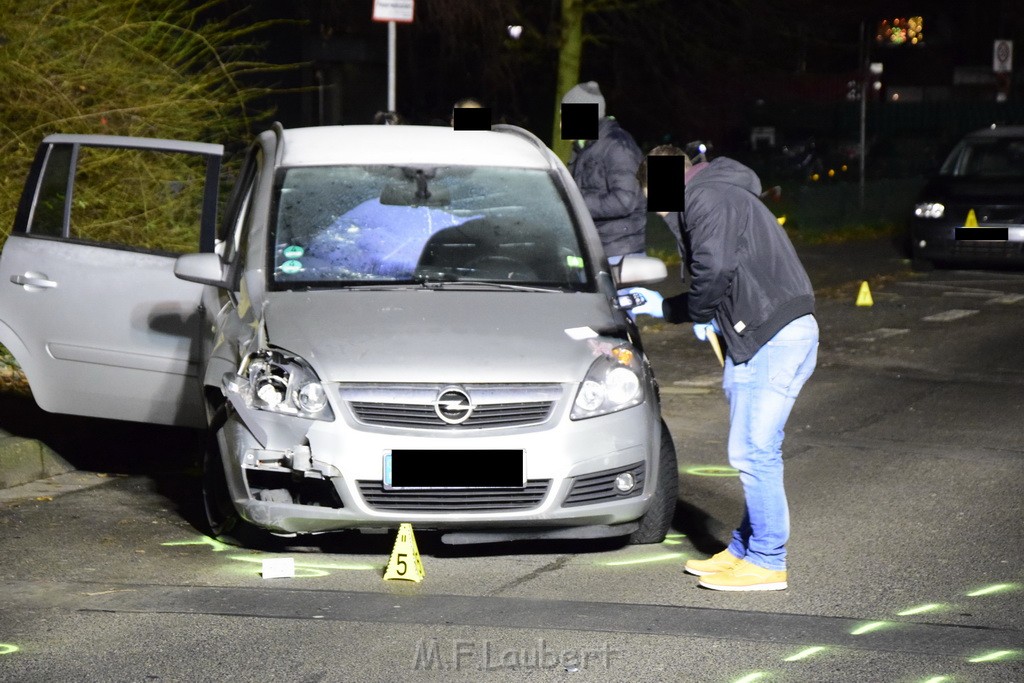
column 605, row 172
column 747, row 284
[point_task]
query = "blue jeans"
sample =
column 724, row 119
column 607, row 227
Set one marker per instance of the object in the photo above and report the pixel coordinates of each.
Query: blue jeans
column 761, row 393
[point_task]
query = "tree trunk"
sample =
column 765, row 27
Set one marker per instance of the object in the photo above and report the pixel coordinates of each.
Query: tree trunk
column 570, row 51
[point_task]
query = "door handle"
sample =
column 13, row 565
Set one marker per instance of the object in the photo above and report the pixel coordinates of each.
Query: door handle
column 36, row 280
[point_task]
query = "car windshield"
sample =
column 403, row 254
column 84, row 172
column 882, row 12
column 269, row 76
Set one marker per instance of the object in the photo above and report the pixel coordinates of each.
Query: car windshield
column 379, row 225
column 996, row 157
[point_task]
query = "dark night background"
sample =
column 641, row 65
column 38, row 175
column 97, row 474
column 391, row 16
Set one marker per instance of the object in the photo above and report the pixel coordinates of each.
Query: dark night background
column 670, row 70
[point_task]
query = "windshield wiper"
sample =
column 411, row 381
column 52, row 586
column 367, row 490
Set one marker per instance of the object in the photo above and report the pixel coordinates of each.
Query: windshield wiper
column 469, row 283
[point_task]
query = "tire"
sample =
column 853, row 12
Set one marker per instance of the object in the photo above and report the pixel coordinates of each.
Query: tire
column 222, row 519
column 655, row 523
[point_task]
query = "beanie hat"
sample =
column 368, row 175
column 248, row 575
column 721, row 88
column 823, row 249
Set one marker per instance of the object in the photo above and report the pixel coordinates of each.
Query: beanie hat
column 586, row 93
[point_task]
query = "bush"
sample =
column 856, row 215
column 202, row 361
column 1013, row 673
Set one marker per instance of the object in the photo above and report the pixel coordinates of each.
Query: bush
column 156, row 69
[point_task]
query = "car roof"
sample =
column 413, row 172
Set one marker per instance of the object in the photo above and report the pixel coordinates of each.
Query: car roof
column 414, row 145
column 998, row 132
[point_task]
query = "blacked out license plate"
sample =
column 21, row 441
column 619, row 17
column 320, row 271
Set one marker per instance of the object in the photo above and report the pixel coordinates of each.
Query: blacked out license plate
column 453, row 469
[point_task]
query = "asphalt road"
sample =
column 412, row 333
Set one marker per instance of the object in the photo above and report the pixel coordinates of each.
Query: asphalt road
column 904, row 465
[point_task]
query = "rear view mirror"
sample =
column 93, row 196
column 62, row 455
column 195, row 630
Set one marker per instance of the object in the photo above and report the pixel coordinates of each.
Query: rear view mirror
column 204, row 268
column 635, row 270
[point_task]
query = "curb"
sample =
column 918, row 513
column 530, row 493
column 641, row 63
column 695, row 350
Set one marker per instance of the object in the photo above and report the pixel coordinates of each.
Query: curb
column 26, row 460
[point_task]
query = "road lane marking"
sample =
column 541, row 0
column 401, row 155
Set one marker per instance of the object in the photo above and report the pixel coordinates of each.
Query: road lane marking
column 1007, row 299
column 880, row 333
column 950, row 289
column 951, row 314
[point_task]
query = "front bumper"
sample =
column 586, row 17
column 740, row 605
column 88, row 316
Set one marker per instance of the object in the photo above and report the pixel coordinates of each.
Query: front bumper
column 302, row 476
column 938, row 241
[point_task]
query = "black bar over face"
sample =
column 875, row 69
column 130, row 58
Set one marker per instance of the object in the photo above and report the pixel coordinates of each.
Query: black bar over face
column 579, row 120
column 471, row 118
column 666, row 183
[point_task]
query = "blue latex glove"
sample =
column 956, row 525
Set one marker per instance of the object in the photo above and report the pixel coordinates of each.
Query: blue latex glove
column 700, row 330
column 652, row 305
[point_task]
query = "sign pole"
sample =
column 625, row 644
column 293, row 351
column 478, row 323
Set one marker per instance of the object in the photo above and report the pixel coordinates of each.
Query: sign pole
column 864, row 50
column 392, row 51
column 392, row 11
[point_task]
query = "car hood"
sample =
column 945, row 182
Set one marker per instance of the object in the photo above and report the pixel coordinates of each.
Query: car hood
column 438, row 335
column 966, row 189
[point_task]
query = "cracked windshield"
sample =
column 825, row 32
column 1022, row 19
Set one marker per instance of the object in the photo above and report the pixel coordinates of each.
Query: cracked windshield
column 353, row 225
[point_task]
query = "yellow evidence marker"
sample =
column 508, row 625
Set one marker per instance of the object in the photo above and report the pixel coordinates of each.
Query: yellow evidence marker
column 405, row 560
column 972, row 220
column 864, row 296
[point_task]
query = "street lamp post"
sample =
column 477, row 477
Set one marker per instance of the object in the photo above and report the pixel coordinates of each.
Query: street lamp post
column 863, row 105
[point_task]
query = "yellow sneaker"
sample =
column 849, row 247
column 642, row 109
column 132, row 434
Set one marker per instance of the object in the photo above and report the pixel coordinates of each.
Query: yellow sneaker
column 744, row 576
column 718, row 562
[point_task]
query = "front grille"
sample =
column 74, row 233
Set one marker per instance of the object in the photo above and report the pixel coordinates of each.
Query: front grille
column 414, row 406
column 455, row 500
column 994, row 249
column 599, row 487
column 424, row 416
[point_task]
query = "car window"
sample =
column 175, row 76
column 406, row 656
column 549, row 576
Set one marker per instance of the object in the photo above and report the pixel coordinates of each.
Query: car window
column 378, row 224
column 140, row 199
column 1001, row 157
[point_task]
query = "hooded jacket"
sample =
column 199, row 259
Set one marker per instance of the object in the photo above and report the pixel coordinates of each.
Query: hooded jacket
column 605, row 173
column 745, row 271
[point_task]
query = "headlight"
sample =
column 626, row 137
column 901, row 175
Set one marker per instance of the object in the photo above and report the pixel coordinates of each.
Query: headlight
column 276, row 382
column 929, row 210
column 614, row 382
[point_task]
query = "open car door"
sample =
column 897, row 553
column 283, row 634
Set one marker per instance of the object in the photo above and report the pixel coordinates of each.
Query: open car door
column 89, row 304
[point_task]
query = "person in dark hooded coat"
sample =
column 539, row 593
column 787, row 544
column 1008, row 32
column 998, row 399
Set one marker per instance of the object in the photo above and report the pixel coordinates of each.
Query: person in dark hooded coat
column 605, row 173
column 748, row 285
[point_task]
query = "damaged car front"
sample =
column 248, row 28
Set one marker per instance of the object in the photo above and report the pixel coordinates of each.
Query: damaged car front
column 433, row 341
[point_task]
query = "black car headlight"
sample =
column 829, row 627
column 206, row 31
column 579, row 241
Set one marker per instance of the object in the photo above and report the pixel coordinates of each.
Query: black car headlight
column 929, row 210
column 614, row 382
column 279, row 383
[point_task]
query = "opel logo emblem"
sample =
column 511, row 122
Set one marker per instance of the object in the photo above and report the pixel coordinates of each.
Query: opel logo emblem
column 453, row 406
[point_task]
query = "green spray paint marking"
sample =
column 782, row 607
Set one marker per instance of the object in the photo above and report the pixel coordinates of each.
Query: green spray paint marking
column 988, row 590
column 937, row 679
column 203, row 540
column 711, row 471
column 643, row 560
column 8, row 648
column 750, row 678
column 930, row 607
column 992, row 656
column 869, row 627
column 804, row 654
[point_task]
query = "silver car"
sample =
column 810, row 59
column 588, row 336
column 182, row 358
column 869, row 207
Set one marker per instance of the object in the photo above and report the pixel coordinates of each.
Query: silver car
column 389, row 324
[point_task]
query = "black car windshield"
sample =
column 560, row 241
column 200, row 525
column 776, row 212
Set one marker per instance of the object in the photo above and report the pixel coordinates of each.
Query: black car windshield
column 381, row 225
column 989, row 157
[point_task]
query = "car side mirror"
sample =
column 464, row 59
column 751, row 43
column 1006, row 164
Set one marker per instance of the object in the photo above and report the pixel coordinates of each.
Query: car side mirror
column 635, row 270
column 204, row 268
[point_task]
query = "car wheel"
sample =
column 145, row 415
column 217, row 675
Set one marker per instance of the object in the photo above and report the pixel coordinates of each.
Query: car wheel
column 655, row 523
column 222, row 519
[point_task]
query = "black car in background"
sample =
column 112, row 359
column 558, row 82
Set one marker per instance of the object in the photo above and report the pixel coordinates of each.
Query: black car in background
column 972, row 211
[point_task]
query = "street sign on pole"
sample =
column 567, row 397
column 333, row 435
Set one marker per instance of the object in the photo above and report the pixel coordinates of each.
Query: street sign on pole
column 1002, row 56
column 392, row 11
